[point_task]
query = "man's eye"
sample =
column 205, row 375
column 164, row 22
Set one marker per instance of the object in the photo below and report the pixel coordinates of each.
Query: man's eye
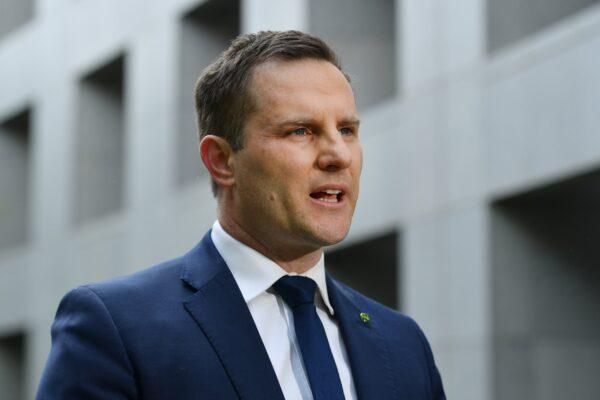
column 299, row 132
column 347, row 131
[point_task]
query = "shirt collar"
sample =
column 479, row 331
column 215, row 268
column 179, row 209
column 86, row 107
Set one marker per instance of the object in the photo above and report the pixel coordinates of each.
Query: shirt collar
column 254, row 273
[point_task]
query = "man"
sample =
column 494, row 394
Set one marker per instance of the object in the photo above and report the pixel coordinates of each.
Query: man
column 250, row 312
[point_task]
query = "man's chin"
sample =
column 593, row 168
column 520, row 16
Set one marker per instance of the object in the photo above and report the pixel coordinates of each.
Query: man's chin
column 330, row 235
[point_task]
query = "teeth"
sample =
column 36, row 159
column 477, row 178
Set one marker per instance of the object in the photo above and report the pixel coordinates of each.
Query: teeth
column 332, row 191
column 328, row 200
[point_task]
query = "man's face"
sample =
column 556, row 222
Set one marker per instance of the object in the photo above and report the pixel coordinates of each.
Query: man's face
column 300, row 143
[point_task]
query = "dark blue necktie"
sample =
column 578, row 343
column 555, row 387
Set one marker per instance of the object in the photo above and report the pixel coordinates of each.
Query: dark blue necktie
column 299, row 294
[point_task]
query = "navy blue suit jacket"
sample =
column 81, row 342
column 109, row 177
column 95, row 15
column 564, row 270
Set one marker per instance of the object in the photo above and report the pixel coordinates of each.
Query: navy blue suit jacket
column 181, row 330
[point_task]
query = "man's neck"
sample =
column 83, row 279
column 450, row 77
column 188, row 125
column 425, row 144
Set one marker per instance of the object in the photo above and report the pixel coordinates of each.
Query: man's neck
column 298, row 261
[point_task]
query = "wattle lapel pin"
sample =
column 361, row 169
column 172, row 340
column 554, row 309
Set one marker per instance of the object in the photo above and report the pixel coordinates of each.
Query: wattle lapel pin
column 364, row 317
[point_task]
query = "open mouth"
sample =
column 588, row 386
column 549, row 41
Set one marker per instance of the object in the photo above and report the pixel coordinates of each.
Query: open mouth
column 328, row 195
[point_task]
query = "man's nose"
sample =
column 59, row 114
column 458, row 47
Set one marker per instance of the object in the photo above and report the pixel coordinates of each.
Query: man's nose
column 334, row 153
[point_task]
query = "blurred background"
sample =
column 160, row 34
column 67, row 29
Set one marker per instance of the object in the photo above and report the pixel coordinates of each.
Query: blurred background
column 479, row 213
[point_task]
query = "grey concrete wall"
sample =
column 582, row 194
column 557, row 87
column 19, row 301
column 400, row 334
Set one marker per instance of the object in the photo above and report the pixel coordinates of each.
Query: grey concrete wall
column 461, row 130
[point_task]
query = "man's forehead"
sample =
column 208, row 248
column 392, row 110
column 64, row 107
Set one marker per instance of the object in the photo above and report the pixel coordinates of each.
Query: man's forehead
column 303, row 83
column 295, row 73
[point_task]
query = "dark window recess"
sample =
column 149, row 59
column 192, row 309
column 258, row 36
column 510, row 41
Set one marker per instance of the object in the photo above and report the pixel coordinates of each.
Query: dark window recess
column 363, row 34
column 100, row 142
column 205, row 32
column 546, row 291
column 371, row 267
column 14, row 179
column 12, row 367
column 509, row 21
column 14, row 14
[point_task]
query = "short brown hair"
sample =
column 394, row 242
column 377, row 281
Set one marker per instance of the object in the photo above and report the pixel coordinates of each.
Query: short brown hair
column 223, row 102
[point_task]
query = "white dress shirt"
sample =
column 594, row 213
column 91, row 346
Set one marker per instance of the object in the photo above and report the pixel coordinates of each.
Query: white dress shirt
column 254, row 274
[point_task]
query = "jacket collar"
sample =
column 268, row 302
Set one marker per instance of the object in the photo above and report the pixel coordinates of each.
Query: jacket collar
column 221, row 312
column 202, row 264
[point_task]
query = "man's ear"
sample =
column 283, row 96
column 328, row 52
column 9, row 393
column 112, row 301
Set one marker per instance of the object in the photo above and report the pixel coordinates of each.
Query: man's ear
column 216, row 155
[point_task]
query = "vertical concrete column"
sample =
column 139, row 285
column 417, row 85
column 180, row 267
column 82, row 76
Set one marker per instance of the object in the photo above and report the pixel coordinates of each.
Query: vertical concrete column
column 274, row 15
column 152, row 138
column 446, row 289
column 438, row 38
column 52, row 156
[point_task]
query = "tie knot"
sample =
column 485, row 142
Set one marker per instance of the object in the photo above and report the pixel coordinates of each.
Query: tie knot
column 296, row 290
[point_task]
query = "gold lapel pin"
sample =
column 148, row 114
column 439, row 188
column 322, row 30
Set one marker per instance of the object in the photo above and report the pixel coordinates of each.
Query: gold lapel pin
column 365, row 317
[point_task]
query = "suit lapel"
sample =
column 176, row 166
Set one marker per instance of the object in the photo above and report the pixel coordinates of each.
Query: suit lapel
column 221, row 312
column 365, row 345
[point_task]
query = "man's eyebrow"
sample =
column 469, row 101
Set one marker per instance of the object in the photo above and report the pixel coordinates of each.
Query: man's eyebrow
column 295, row 121
column 309, row 121
column 350, row 121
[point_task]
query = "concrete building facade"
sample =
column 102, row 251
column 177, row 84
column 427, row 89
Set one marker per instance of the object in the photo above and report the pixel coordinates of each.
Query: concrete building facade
column 479, row 208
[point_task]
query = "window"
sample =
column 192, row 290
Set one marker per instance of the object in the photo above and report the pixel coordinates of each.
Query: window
column 13, row 14
column 14, row 179
column 100, row 142
column 205, row 32
column 370, row 266
column 12, row 366
column 546, row 291
column 363, row 34
column 509, row 21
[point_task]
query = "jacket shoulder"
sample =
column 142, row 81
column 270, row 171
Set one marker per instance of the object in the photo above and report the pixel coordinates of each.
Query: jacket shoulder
column 155, row 279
